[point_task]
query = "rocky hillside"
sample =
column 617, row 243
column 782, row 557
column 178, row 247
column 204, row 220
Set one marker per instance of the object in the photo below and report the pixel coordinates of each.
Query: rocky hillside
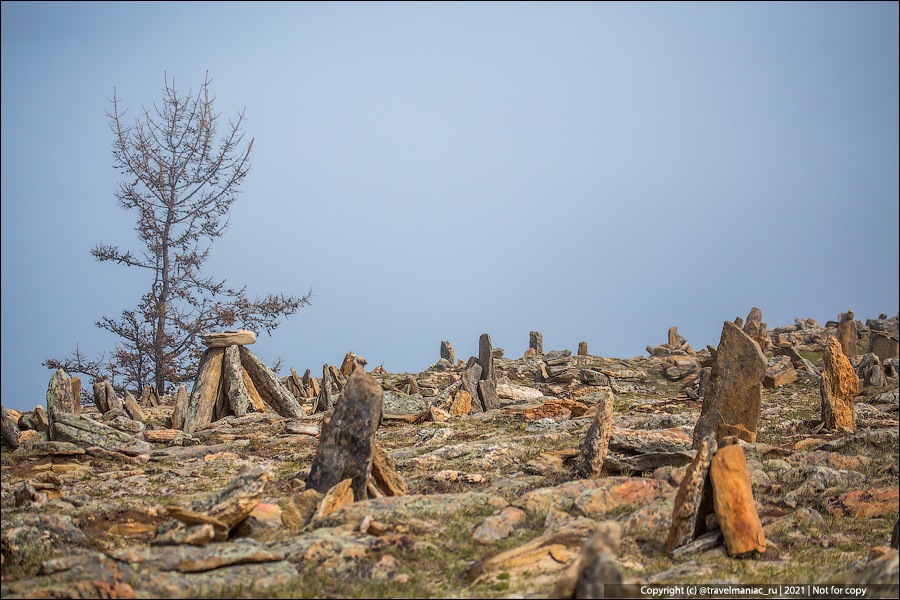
column 539, row 476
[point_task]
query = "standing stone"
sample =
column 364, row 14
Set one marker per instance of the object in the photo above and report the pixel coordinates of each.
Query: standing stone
column 582, row 349
column 733, row 500
column 325, row 400
column 595, row 568
column 112, row 400
column 447, row 352
column 181, row 398
column 733, row 396
column 487, row 391
column 838, row 388
column 756, row 329
column 470, row 378
column 59, row 395
column 345, row 450
column 462, row 404
column 76, row 394
column 235, row 388
column 536, row 342
column 347, row 365
column 686, row 516
column 673, row 337
column 100, row 397
column 486, row 357
column 847, row 335
column 595, row 446
column 207, row 387
column 780, row 371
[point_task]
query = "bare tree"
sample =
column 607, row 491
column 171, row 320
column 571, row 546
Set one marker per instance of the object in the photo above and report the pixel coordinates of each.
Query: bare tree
column 181, row 181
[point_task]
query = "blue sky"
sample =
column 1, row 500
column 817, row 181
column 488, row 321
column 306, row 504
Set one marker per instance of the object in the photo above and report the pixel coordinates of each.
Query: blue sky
column 597, row 172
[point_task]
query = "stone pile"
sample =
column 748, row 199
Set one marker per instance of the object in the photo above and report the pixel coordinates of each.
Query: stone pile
column 230, row 379
column 676, row 344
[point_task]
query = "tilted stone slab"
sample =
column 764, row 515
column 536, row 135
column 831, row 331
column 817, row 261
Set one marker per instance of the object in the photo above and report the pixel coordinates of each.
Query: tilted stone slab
column 686, row 514
column 733, row 501
column 86, row 432
column 269, row 388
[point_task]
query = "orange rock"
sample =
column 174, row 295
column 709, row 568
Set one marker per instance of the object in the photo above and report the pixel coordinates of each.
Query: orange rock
column 462, row 404
column 838, row 389
column 866, row 504
column 733, row 502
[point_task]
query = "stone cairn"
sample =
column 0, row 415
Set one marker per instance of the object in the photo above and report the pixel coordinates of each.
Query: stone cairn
column 230, row 380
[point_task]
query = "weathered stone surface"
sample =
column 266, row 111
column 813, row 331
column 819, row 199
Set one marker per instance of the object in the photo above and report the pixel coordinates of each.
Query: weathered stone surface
column 241, row 337
column 207, row 387
column 86, row 432
column 181, row 399
column 76, row 394
column 133, row 409
column 591, row 377
column 687, row 514
column 756, row 329
column 595, row 568
column 268, row 387
column 734, row 393
column 345, row 449
column 386, row 476
column 582, row 349
column 838, row 388
column 235, row 388
column 462, row 404
column 673, row 337
column 470, row 378
column 780, row 371
column 447, row 352
column 262, row 524
column 646, row 463
column 595, row 445
column 517, row 393
column 300, row 508
column 546, row 553
column 643, row 441
column 536, row 342
column 865, row 504
column 883, row 345
column 733, row 501
column 10, row 429
column 59, row 395
column 847, row 335
column 498, row 527
column 338, row 496
column 486, row 357
column 529, row 353
column 487, row 392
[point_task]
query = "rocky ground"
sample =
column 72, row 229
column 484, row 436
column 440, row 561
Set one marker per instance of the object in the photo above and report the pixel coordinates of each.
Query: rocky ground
column 494, row 507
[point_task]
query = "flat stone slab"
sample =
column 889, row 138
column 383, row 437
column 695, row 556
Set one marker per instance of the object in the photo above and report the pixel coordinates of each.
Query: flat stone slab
column 241, row 337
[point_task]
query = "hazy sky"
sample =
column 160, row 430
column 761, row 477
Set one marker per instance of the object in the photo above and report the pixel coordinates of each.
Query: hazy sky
column 596, row 172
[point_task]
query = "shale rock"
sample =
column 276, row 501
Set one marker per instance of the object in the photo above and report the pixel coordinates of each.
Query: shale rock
column 838, row 389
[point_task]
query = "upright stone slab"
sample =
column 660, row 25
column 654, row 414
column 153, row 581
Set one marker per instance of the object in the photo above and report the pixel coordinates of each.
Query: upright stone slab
column 207, row 387
column 181, row 398
column 486, row 357
column 595, row 445
column 536, row 342
column 59, row 396
column 235, row 388
column 447, row 352
column 100, row 397
column 487, row 392
column 470, row 378
column 733, row 396
column 847, row 335
column 733, row 500
column 582, row 349
column 673, row 337
column 345, row 450
column 76, row 394
column 686, row 515
column 838, row 388
column 756, row 329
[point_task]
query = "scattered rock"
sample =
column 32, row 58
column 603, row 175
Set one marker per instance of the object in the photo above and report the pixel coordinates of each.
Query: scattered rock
column 733, row 501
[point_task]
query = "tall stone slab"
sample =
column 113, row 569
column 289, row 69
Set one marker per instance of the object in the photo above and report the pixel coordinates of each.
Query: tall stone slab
column 687, row 515
column 447, row 352
column 847, row 335
column 733, row 397
column 582, row 349
column 486, row 357
column 347, row 442
column 839, row 387
column 756, row 329
column 59, row 395
column 595, row 446
column 536, row 342
column 733, row 500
